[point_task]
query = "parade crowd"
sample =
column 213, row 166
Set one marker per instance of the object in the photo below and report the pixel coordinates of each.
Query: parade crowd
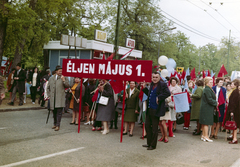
column 213, row 102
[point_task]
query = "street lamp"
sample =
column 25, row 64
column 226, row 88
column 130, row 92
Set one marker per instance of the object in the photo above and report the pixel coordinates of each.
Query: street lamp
column 160, row 36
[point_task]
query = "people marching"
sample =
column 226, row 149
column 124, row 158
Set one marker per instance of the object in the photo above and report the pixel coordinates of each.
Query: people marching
column 212, row 103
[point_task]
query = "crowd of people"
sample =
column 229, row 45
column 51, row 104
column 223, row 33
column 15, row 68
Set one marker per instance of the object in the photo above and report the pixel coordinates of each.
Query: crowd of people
column 210, row 104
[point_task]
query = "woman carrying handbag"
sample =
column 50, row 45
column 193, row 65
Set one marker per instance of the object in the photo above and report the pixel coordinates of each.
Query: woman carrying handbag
column 233, row 111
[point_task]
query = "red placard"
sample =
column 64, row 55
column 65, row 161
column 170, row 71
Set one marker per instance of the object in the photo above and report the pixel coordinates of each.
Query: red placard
column 126, row 70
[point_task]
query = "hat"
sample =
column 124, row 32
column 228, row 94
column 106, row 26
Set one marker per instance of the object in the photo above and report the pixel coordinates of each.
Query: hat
column 58, row 67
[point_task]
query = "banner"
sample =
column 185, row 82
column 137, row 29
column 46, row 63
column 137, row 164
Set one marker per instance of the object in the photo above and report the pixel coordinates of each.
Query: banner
column 126, row 70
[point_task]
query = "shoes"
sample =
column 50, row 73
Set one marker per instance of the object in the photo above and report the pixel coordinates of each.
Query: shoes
column 57, row 128
column 24, row 101
column 72, row 123
column 174, row 130
column 32, row 102
column 83, row 120
column 203, row 138
column 172, row 136
column 150, row 148
column 215, row 137
column 125, row 133
column 91, row 122
column 145, row 145
column 130, row 135
column 11, row 103
column 76, row 123
column 93, row 128
column 208, row 140
column 105, row 132
column 211, row 136
column 143, row 137
column 233, row 142
column 195, row 133
column 20, row 104
column 87, row 123
column 54, row 127
column 230, row 138
column 185, row 128
column 165, row 140
column 161, row 139
column 99, row 129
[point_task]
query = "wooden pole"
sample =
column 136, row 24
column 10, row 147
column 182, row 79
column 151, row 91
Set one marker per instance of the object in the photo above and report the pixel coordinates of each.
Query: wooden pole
column 80, row 106
column 123, row 108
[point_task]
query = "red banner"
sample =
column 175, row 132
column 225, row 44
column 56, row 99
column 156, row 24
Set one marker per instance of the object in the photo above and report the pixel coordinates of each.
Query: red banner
column 126, row 70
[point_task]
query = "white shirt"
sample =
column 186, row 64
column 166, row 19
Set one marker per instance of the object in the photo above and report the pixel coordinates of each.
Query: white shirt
column 217, row 92
column 34, row 79
column 56, row 76
column 131, row 92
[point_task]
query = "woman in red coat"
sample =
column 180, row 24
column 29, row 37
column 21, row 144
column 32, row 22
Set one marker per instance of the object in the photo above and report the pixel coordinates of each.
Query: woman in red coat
column 234, row 110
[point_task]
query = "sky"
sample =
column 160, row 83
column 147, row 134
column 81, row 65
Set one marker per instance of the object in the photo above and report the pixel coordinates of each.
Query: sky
column 213, row 21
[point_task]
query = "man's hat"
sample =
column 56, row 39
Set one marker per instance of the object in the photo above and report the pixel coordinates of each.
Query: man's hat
column 58, row 67
column 18, row 64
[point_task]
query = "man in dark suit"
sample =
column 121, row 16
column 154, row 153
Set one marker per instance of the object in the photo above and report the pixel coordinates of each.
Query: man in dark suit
column 18, row 84
column 157, row 94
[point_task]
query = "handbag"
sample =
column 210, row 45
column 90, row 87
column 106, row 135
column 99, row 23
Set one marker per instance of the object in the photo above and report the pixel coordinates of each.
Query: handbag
column 103, row 100
column 180, row 118
column 231, row 125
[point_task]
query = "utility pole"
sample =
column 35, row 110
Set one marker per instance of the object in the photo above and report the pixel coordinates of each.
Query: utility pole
column 228, row 51
column 117, row 27
column 199, row 59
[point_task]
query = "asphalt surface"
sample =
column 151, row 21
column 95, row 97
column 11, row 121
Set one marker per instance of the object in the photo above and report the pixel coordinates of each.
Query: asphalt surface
column 27, row 140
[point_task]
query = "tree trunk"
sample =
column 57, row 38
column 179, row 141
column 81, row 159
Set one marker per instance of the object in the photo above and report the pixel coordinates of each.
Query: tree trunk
column 20, row 46
column 46, row 58
column 3, row 26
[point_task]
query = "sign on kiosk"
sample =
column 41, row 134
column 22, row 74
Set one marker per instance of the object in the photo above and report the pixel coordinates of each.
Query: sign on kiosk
column 126, row 70
column 130, row 43
column 100, row 35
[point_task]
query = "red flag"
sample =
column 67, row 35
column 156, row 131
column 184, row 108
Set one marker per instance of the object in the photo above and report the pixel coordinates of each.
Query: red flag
column 117, row 85
column 209, row 74
column 183, row 74
column 192, row 74
column 198, row 72
column 141, row 94
column 222, row 71
column 95, row 96
column 111, row 56
column 221, row 99
column 203, row 74
column 103, row 57
column 156, row 67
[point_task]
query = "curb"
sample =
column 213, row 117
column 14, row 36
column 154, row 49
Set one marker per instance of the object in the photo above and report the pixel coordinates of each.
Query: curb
column 21, row 109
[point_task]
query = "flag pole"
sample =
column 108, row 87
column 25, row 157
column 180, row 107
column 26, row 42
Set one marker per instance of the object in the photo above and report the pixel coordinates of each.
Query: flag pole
column 80, row 106
column 124, row 96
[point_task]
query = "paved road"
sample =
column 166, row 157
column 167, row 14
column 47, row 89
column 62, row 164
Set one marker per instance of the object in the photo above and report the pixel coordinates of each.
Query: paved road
column 26, row 139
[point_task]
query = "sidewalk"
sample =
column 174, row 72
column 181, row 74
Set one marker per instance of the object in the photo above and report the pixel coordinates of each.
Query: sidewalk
column 26, row 106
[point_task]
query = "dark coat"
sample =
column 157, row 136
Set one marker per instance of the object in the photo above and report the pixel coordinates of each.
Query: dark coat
column 222, row 107
column 77, row 95
column 208, row 104
column 88, row 96
column 196, row 103
column 233, row 107
column 106, row 113
column 38, row 79
column 162, row 93
column 132, row 104
column 20, row 83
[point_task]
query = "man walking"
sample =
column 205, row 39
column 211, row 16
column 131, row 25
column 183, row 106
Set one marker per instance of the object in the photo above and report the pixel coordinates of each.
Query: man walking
column 56, row 92
column 157, row 94
column 18, row 84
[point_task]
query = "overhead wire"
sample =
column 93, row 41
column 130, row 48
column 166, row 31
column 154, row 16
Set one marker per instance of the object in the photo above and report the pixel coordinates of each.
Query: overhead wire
column 220, row 14
column 208, row 36
column 208, row 14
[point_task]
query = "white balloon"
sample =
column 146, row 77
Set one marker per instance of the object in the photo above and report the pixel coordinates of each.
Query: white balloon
column 170, row 71
column 171, row 63
column 162, row 60
column 164, row 73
